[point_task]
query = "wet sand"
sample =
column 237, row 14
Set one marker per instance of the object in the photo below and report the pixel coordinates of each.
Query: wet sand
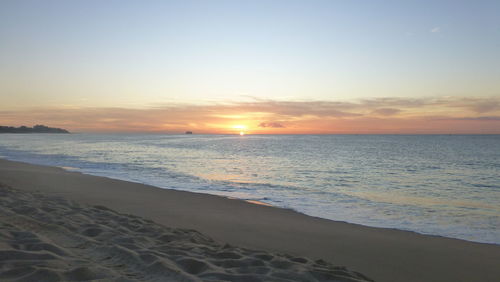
column 381, row 254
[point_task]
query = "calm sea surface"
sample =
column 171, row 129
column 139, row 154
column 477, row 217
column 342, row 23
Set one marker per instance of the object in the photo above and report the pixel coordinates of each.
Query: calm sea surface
column 432, row 184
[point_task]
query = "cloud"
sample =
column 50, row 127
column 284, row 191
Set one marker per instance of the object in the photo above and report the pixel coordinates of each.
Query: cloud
column 386, row 111
column 377, row 115
column 476, row 105
column 486, row 106
column 271, row 124
column 435, row 29
column 482, row 118
column 295, row 108
column 394, row 102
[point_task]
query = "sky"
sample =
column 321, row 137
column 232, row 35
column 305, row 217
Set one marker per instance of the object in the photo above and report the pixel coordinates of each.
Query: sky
column 280, row 67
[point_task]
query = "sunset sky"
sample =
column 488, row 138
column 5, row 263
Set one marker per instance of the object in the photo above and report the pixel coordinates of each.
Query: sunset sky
column 264, row 66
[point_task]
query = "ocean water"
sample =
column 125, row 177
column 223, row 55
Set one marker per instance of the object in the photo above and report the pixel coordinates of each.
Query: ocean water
column 432, row 184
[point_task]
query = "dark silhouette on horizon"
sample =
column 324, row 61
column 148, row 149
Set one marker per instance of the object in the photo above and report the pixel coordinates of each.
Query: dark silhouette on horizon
column 35, row 129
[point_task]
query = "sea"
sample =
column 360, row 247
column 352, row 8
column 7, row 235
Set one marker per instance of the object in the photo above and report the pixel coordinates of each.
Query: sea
column 446, row 185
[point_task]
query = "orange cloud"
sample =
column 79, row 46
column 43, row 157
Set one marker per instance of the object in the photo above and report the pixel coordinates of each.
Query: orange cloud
column 271, row 124
column 382, row 115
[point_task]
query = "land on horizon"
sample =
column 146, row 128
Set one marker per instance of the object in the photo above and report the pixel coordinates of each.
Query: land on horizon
column 35, row 129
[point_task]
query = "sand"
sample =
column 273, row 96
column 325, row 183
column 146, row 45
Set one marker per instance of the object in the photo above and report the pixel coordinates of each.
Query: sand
column 48, row 238
column 74, row 238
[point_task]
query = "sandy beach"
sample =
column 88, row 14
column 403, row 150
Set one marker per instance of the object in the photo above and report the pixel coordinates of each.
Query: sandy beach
column 86, row 227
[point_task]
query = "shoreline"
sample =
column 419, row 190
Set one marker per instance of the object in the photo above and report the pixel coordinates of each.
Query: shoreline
column 256, row 202
column 382, row 254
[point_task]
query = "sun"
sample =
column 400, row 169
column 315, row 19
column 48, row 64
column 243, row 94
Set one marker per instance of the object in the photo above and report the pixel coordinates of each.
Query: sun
column 241, row 128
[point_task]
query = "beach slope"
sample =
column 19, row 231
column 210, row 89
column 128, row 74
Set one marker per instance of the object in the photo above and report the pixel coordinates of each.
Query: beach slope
column 381, row 254
column 49, row 238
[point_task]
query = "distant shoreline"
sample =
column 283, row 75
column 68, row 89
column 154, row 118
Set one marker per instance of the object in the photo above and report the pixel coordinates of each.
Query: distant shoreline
column 35, row 129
